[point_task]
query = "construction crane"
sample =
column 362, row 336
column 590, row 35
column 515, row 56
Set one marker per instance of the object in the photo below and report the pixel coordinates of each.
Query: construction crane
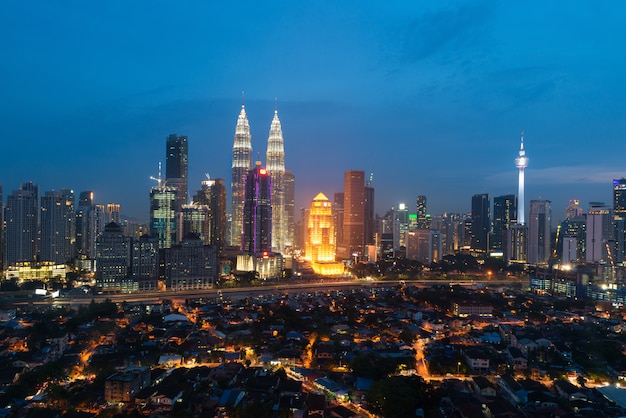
column 160, row 181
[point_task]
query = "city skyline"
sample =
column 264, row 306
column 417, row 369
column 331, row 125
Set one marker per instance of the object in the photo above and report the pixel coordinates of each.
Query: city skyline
column 406, row 92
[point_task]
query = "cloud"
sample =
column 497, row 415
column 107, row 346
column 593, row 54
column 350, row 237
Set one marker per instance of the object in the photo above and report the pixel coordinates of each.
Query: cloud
column 566, row 175
column 444, row 32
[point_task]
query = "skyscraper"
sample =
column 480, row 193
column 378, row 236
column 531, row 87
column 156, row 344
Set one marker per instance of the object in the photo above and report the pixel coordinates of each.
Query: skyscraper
column 504, row 215
column 163, row 201
column 275, row 158
column 599, row 232
column 480, row 222
column 242, row 163
column 539, row 232
column 521, row 162
column 290, row 207
column 257, row 212
column 213, row 194
column 354, row 213
column 619, row 219
column 57, row 226
column 423, row 222
column 320, row 244
column 113, row 213
column 176, row 166
column 113, row 260
column 369, row 214
column 22, row 224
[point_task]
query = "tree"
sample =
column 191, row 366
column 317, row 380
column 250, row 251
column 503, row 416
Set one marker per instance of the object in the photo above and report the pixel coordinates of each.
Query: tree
column 400, row 396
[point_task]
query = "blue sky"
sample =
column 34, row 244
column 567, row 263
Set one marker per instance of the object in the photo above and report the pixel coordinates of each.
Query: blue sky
column 429, row 96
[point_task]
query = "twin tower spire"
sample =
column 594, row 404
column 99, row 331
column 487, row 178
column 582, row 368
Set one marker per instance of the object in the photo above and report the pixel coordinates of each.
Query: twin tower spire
column 275, row 165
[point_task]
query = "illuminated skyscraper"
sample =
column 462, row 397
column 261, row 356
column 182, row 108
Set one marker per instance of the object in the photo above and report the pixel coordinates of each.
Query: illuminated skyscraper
column 275, row 158
column 480, row 222
column 57, row 226
column 163, row 201
column 539, row 232
column 22, row 224
column 290, row 207
column 423, row 221
column 320, row 245
column 257, row 211
column 354, row 213
column 113, row 213
column 619, row 219
column 195, row 220
column 176, row 166
column 521, row 162
column 242, row 163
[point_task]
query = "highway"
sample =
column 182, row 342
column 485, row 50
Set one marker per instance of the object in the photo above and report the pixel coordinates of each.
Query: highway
column 251, row 291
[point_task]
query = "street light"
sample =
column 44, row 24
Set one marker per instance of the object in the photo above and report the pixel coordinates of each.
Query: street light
column 458, row 367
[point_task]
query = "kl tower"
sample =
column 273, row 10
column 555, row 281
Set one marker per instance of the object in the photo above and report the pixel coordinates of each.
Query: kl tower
column 521, row 162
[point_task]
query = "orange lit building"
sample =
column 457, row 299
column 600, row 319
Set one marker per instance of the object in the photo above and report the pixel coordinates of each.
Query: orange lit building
column 320, row 245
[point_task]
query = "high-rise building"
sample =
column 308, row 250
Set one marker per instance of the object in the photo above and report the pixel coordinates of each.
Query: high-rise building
column 599, row 233
column 22, row 224
column 163, row 200
column 369, row 215
column 275, row 158
column 176, row 167
column 57, row 226
column 354, row 214
column 85, row 200
column 619, row 219
column 257, row 212
column 2, row 250
column 195, row 220
column 480, row 222
column 290, row 207
column 521, row 163
column 400, row 226
column 145, row 263
column 242, row 163
column 338, row 215
column 113, row 213
column 539, row 232
column 423, row 221
column 320, row 244
column 571, row 239
column 504, row 215
column 573, row 209
column 113, row 260
column 189, row 264
column 213, row 195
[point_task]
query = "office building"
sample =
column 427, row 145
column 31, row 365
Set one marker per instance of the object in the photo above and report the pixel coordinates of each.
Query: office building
column 194, row 219
column 354, row 214
column 275, row 159
column 145, row 263
column 504, row 215
column 400, row 226
column 22, row 224
column 189, row 264
column 257, row 211
column 113, row 260
column 290, row 207
column 539, row 248
column 369, row 214
column 113, row 213
column 619, row 219
column 423, row 220
column 480, row 223
column 571, row 239
column 176, row 167
column 241, row 165
column 599, row 233
column 57, row 226
column 163, row 200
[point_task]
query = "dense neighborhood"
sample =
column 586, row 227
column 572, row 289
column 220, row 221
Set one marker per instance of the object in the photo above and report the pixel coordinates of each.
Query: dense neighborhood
column 396, row 350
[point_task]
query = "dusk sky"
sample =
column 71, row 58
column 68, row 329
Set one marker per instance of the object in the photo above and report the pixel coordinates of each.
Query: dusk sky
column 430, row 96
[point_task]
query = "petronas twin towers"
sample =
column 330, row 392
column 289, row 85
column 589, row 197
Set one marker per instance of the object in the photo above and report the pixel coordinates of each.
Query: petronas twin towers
column 275, row 166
